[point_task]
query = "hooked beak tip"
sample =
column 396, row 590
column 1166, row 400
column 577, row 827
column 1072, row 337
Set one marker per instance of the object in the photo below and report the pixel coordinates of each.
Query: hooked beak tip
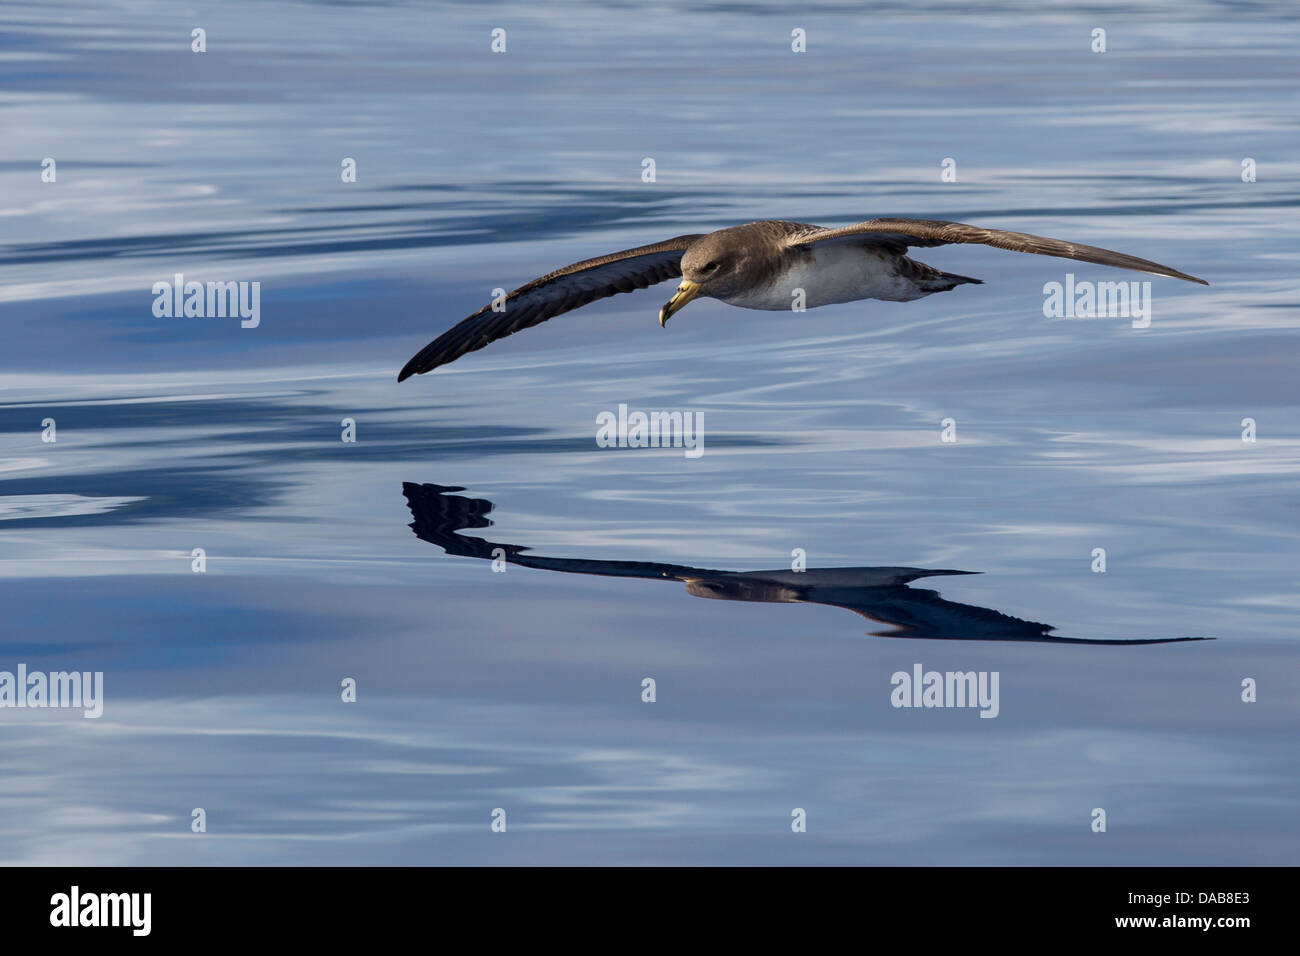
column 685, row 293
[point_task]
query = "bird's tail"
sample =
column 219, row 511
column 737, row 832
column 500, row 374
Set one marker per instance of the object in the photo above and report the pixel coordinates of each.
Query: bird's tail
column 927, row 279
column 944, row 281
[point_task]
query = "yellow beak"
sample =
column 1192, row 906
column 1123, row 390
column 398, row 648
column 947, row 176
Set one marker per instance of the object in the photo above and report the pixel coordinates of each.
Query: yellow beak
column 685, row 292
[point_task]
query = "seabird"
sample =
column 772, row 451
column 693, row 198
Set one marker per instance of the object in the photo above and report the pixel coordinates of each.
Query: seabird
column 760, row 265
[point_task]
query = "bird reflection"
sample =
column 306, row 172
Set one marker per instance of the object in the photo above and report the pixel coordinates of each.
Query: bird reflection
column 879, row 594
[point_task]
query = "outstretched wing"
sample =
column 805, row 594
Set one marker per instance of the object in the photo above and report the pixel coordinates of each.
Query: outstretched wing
column 554, row 294
column 898, row 234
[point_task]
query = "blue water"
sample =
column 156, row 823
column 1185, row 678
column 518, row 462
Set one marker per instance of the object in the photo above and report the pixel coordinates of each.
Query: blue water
column 521, row 688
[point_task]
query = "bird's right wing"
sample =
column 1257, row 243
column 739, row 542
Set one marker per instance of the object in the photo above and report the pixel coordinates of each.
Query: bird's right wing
column 897, row 235
column 554, row 294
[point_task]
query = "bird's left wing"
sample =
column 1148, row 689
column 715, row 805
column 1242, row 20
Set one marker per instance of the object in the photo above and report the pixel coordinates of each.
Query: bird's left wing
column 897, row 234
column 554, row 294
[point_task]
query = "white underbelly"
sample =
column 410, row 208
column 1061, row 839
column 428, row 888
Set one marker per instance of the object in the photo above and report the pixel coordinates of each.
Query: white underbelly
column 831, row 274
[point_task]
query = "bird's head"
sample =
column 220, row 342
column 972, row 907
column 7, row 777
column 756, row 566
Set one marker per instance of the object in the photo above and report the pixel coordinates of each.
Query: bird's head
column 711, row 267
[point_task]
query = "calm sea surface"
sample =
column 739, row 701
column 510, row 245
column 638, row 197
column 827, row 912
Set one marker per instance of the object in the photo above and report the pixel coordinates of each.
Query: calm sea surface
column 489, row 676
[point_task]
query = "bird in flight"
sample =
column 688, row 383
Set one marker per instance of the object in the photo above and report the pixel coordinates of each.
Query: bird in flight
column 760, row 265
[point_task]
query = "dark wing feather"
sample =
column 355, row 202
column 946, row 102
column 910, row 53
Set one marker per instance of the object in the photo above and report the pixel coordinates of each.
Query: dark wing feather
column 898, row 234
column 554, row 294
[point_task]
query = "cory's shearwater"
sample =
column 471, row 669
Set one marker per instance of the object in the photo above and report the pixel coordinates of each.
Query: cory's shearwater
column 771, row 264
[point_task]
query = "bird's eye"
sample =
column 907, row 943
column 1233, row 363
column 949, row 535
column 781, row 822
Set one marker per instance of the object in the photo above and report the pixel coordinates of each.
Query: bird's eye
column 710, row 266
